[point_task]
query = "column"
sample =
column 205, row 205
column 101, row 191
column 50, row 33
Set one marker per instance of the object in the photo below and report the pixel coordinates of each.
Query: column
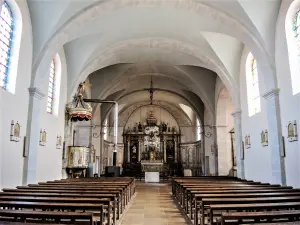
column 101, row 168
column 175, row 149
column 165, row 149
column 275, row 136
column 140, row 148
column 239, row 144
column 128, row 150
column 33, row 135
column 215, row 149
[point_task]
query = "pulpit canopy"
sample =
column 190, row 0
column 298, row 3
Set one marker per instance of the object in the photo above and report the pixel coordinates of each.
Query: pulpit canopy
column 79, row 110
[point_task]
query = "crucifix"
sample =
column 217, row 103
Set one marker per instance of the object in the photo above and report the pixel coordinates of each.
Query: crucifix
column 151, row 91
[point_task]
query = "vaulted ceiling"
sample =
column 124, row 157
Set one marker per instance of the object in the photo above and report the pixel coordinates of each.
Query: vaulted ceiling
column 185, row 45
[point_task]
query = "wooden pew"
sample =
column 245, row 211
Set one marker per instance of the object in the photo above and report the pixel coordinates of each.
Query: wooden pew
column 56, row 216
column 87, row 194
column 252, row 207
column 121, row 197
column 22, row 223
column 258, row 216
column 112, row 197
column 191, row 193
column 106, row 202
column 51, row 206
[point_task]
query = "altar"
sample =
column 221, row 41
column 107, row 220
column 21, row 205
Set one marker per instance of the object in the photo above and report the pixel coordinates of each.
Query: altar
column 150, row 148
column 151, row 170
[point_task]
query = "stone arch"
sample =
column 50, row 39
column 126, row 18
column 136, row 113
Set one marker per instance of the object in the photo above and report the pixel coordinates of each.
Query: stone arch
column 155, row 106
column 251, row 38
column 199, row 91
column 108, row 111
column 181, row 118
column 225, row 124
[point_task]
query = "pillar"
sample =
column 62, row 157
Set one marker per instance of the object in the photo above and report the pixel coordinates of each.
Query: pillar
column 175, row 149
column 275, row 136
column 239, row 143
column 33, row 135
column 165, row 149
column 128, row 150
column 101, row 168
column 215, row 150
column 139, row 151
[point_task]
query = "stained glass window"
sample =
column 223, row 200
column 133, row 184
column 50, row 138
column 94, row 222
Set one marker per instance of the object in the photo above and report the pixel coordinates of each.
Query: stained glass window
column 6, row 37
column 51, row 88
column 295, row 55
column 252, row 86
column 105, row 129
column 198, row 130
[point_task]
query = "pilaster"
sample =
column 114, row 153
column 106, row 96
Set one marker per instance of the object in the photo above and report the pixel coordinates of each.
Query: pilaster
column 237, row 115
column 275, row 136
column 165, row 149
column 128, row 150
column 33, row 135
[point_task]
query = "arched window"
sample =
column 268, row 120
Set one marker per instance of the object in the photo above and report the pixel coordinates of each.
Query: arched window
column 54, row 86
column 51, row 88
column 252, row 86
column 6, row 42
column 292, row 31
column 198, row 130
column 105, row 129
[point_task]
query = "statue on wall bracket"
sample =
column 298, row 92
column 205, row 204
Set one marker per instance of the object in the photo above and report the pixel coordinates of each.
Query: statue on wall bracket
column 264, row 138
column 247, row 141
column 43, row 138
column 15, row 130
column 292, row 131
column 58, row 142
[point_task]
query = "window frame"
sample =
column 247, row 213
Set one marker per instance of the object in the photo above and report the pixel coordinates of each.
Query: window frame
column 9, row 43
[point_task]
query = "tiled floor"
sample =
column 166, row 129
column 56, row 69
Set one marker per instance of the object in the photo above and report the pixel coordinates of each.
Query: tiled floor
column 153, row 205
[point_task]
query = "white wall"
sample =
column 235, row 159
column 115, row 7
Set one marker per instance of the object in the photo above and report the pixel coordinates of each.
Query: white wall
column 49, row 161
column 257, row 158
column 15, row 107
column 289, row 103
column 225, row 124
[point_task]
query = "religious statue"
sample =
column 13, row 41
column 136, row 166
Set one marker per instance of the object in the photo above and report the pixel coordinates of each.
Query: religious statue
column 44, row 137
column 291, row 130
column 134, row 149
column 17, row 130
column 164, row 127
column 262, row 137
column 246, row 140
column 140, row 128
column 152, row 155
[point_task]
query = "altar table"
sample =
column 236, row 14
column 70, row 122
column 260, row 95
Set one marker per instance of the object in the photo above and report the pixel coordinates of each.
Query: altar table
column 151, row 177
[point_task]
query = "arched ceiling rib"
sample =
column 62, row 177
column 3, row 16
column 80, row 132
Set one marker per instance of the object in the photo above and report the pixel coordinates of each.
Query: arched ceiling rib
column 183, row 44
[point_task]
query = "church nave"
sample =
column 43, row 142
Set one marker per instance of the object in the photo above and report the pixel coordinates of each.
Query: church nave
column 153, row 205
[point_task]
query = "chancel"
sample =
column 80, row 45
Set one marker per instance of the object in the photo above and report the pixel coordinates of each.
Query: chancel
column 122, row 112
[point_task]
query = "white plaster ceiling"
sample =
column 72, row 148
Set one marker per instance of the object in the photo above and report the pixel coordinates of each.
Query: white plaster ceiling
column 183, row 44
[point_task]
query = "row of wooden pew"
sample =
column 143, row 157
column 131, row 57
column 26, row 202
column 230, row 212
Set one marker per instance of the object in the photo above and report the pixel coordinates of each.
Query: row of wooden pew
column 226, row 200
column 69, row 201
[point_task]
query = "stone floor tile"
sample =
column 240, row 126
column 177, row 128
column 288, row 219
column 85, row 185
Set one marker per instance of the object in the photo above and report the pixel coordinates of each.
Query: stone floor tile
column 153, row 205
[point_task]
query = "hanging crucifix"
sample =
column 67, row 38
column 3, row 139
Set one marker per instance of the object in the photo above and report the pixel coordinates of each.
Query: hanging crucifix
column 151, row 91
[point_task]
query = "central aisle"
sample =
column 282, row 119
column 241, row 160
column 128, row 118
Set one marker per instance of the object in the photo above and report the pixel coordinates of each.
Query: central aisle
column 153, row 205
